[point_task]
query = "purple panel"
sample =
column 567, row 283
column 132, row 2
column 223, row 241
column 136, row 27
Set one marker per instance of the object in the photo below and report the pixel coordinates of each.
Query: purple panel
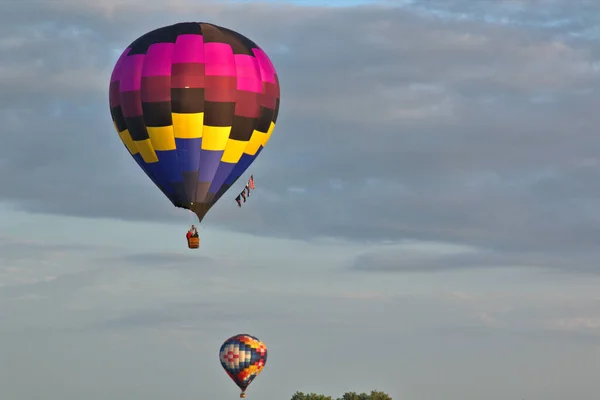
column 131, row 104
column 131, row 73
column 114, row 95
column 220, row 88
column 158, row 60
column 156, row 89
column 116, row 74
column 189, row 49
column 219, row 59
column 248, row 73
column 247, row 104
column 269, row 98
column 266, row 67
column 187, row 75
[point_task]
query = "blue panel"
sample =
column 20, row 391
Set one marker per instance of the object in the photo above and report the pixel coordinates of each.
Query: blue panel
column 168, row 166
column 164, row 186
column 241, row 167
column 209, row 162
column 188, row 154
column 222, row 173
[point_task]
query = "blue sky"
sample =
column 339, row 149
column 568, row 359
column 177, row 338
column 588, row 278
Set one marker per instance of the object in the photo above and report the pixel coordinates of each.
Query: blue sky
column 441, row 242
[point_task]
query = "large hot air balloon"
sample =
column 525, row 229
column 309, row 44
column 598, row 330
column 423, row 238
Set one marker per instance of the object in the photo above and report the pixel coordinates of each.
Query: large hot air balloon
column 195, row 104
column 243, row 357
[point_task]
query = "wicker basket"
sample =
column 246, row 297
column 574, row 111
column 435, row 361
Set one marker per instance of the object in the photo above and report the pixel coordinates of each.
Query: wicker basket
column 193, row 242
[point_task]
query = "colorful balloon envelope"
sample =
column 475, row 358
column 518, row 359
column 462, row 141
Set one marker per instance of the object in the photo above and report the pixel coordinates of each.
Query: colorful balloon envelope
column 243, row 357
column 195, row 104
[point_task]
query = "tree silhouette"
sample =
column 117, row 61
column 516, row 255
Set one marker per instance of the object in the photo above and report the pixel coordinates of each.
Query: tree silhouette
column 310, row 396
column 374, row 395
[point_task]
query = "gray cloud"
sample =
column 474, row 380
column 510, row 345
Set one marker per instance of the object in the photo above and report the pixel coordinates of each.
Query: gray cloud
column 213, row 314
column 399, row 261
column 479, row 129
column 163, row 259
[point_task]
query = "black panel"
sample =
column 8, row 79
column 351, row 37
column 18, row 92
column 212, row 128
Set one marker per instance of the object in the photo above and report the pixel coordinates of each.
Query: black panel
column 245, row 45
column 213, row 34
column 137, row 128
column 216, row 34
column 264, row 120
column 157, row 114
column 218, row 113
column 180, row 198
column 190, row 181
column 167, row 34
column 187, row 100
column 276, row 111
column 242, row 128
column 117, row 116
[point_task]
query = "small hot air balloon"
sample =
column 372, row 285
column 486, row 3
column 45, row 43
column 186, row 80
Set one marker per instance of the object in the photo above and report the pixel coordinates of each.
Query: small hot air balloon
column 243, row 357
column 195, row 104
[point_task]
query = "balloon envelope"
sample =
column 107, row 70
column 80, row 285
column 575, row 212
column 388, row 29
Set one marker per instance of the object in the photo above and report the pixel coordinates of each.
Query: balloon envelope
column 195, row 104
column 243, row 357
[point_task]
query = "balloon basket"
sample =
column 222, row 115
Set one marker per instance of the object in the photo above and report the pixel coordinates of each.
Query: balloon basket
column 242, row 395
column 193, row 242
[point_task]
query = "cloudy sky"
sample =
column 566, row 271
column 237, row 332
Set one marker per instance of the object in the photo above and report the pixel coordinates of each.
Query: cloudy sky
column 426, row 220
